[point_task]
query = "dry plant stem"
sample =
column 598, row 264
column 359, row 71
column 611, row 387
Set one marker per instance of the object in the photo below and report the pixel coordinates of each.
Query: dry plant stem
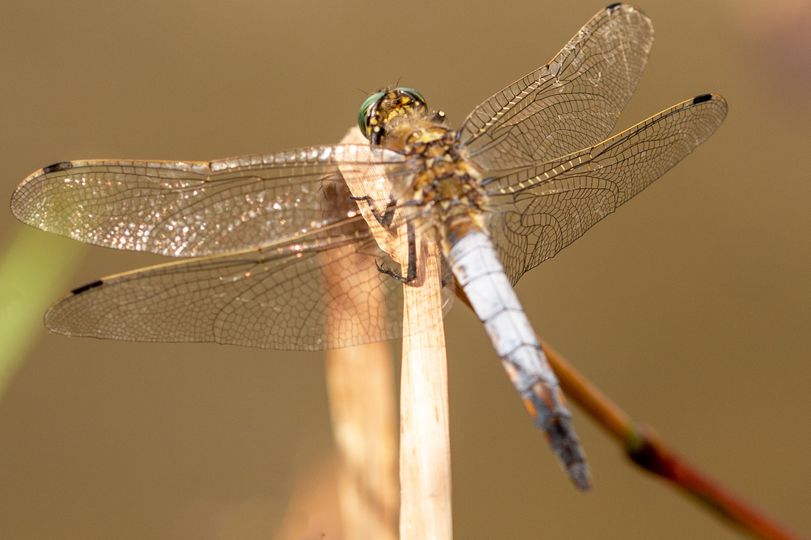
column 652, row 454
column 425, row 475
column 425, row 487
column 360, row 381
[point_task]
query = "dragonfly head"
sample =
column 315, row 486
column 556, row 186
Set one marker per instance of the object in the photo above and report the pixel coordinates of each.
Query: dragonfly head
column 384, row 106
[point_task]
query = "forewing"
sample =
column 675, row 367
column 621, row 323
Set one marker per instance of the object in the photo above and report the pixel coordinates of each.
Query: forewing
column 537, row 211
column 321, row 291
column 571, row 103
column 187, row 209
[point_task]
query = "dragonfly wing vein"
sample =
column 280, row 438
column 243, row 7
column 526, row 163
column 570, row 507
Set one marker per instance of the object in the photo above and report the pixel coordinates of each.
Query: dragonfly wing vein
column 570, row 103
column 539, row 210
column 321, row 292
column 194, row 209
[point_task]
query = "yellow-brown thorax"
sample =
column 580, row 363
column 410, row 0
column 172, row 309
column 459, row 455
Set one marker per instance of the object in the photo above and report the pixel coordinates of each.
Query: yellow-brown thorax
column 445, row 184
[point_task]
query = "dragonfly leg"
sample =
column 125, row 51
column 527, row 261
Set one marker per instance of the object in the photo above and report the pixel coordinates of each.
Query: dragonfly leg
column 411, row 265
column 385, row 219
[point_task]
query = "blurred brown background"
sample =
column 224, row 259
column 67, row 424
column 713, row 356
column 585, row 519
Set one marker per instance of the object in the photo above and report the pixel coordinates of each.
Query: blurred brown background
column 690, row 306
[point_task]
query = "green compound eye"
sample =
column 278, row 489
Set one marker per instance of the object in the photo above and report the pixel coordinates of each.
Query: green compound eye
column 365, row 110
column 412, row 92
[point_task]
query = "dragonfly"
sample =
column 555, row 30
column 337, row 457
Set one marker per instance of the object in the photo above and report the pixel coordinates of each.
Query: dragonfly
column 261, row 238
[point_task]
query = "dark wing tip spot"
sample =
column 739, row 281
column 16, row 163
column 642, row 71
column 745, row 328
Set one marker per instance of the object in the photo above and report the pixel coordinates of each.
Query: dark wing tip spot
column 61, row 166
column 702, row 98
column 612, row 7
column 83, row 288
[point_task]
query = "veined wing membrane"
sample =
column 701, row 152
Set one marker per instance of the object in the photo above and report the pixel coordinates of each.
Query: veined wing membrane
column 191, row 209
column 321, row 291
column 571, row 103
column 539, row 210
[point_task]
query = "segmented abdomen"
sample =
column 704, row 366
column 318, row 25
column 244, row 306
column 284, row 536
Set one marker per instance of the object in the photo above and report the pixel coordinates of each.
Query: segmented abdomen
column 481, row 275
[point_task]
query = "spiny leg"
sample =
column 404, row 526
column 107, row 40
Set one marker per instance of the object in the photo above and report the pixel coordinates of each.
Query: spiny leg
column 385, row 219
column 411, row 267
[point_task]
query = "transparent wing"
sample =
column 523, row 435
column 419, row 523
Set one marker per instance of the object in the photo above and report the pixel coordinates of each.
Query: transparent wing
column 570, row 103
column 537, row 211
column 312, row 290
column 199, row 208
column 320, row 291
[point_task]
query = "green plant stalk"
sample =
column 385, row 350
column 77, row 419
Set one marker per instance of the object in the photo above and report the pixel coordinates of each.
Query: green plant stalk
column 29, row 281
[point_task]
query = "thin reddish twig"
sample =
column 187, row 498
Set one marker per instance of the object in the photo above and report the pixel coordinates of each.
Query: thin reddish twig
column 652, row 454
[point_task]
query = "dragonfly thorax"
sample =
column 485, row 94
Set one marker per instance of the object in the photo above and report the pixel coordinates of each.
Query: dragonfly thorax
column 444, row 183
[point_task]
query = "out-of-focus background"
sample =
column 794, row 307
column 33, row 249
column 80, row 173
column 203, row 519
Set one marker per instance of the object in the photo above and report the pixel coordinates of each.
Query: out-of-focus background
column 690, row 306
